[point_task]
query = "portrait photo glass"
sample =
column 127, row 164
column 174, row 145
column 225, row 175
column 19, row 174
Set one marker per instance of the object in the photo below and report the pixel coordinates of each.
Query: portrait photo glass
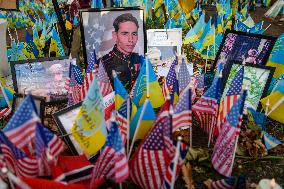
column 97, row 30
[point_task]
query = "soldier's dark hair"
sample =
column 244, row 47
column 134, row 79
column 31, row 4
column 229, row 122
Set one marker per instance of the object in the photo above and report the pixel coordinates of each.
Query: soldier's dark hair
column 124, row 18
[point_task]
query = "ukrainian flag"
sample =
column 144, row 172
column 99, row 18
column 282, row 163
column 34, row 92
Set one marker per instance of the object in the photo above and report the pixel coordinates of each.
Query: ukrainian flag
column 220, row 24
column 269, row 141
column 89, row 129
column 195, row 32
column 120, row 92
column 56, row 39
column 155, row 92
column 208, row 29
column 37, row 42
column 9, row 93
column 147, row 120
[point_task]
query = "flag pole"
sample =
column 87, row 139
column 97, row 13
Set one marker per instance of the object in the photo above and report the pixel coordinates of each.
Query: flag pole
column 190, row 127
column 205, row 69
column 266, row 28
column 127, row 123
column 278, row 103
column 176, row 157
column 147, row 76
column 214, row 42
column 266, row 107
column 138, row 126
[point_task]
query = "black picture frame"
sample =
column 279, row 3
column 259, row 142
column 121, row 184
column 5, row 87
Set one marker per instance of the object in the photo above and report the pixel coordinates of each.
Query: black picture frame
column 18, row 67
column 246, row 44
column 67, row 137
column 115, row 10
column 39, row 103
column 260, row 85
column 13, row 9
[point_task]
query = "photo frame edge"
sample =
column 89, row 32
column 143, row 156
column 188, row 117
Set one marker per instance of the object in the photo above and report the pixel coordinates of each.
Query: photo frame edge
column 62, row 129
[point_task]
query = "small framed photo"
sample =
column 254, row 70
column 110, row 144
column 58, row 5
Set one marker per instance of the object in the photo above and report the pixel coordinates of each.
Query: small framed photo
column 113, row 32
column 39, row 103
column 65, row 119
column 239, row 46
column 256, row 78
column 162, row 47
column 42, row 77
column 9, row 5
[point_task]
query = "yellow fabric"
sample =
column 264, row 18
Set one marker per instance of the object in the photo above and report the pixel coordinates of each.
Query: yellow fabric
column 277, row 114
column 144, row 128
column 68, row 25
column 279, row 68
column 27, row 51
column 187, row 6
column 156, row 95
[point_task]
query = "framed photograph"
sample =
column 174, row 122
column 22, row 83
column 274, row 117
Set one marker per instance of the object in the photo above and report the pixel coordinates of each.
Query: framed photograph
column 112, row 32
column 256, row 78
column 39, row 103
column 65, row 119
column 162, row 47
column 9, row 5
column 237, row 46
column 42, row 77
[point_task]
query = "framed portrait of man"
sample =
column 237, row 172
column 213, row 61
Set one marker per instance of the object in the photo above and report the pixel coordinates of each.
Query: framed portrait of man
column 116, row 38
column 9, row 4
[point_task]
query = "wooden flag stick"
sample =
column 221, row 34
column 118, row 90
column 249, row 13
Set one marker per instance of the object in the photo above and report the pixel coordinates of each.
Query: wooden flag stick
column 206, row 61
column 278, row 103
column 147, row 76
column 276, row 85
column 266, row 28
column 176, row 162
column 266, row 107
column 128, row 123
column 138, row 126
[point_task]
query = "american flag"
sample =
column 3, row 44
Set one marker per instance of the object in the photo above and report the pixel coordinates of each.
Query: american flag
column 230, row 183
column 5, row 112
column 151, row 160
column 121, row 118
column 76, row 82
column 112, row 163
column 170, row 79
column 226, row 183
column 184, row 79
column 46, row 142
column 200, row 81
column 229, row 100
column 183, row 76
column 92, row 61
column 224, row 149
column 182, row 117
column 169, row 174
column 103, row 80
column 21, row 127
column 206, row 108
column 15, row 160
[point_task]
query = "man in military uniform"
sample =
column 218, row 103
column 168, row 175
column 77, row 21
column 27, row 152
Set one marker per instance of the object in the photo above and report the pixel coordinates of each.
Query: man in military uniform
column 121, row 58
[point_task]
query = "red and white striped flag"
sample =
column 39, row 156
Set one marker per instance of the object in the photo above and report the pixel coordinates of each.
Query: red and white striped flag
column 103, row 80
column 182, row 117
column 225, row 147
column 112, row 163
column 5, row 112
column 15, row 160
column 230, row 99
column 206, row 108
column 149, row 164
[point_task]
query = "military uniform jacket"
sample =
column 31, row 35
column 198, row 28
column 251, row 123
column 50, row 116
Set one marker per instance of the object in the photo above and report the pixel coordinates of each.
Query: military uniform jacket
column 126, row 66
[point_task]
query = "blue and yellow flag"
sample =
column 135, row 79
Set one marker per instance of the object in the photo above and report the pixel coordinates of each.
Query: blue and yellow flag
column 120, row 92
column 89, row 129
column 147, row 120
column 8, row 92
column 208, row 30
column 155, row 91
column 195, row 32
